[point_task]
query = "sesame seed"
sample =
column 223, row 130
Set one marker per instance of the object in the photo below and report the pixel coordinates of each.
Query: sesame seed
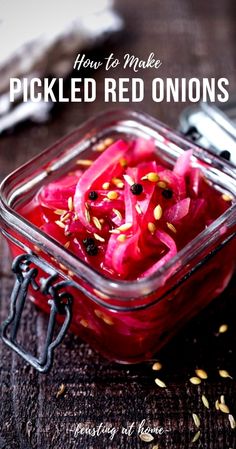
column 128, row 179
column 103, row 317
column 60, row 224
column 97, row 223
column 224, row 408
column 151, row 227
column 67, row 244
column 157, row 366
column 157, row 212
column 162, row 184
column 121, row 238
column 227, row 197
column 217, row 405
column 138, row 209
column 87, row 215
column 160, row 383
column 223, row 373
column 146, row 437
column 107, row 320
column 100, row 294
column 64, row 217
column 232, row 421
column 112, row 195
column 100, row 147
column 171, row 227
column 84, row 323
column 84, row 162
column 195, row 380
column 196, row 420
column 106, row 185
column 201, row 373
column 205, row 401
column 59, row 211
column 62, row 267
column 196, row 436
column 108, row 141
column 114, row 231
column 125, row 227
column 70, row 204
column 118, row 183
column 117, row 213
column 123, row 162
column 98, row 237
column 223, row 328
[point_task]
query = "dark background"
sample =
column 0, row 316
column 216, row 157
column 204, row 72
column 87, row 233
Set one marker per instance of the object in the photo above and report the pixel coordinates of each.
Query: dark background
column 193, row 39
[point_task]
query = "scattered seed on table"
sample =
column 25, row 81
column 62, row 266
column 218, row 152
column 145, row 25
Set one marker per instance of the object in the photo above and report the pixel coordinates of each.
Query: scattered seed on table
column 147, row 437
column 224, row 408
column 201, row 373
column 223, row 373
column 232, row 421
column 205, row 401
column 160, row 383
column 196, row 436
column 217, row 405
column 222, row 399
column 196, row 420
column 61, row 390
column 195, row 380
column 157, row 366
column 223, row 328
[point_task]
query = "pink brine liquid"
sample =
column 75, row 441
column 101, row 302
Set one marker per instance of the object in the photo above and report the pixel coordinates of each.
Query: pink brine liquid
column 126, row 215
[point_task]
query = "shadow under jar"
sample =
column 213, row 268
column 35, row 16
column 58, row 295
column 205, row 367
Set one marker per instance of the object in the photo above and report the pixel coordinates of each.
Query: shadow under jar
column 126, row 320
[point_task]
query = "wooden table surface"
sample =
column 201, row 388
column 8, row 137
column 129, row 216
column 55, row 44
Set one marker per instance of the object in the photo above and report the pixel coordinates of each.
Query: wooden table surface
column 193, row 39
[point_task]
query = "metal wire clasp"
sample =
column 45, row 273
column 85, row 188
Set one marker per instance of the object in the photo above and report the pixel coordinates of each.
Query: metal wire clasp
column 60, row 302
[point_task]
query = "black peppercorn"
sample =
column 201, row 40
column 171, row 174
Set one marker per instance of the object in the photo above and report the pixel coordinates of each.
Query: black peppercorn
column 88, row 241
column 136, row 189
column 93, row 195
column 92, row 250
column 167, row 193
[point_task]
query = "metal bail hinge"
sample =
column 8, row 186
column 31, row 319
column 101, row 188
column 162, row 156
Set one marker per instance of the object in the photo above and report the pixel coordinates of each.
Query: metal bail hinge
column 25, row 267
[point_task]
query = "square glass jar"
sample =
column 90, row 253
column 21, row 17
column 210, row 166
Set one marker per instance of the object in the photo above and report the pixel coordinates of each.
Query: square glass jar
column 126, row 321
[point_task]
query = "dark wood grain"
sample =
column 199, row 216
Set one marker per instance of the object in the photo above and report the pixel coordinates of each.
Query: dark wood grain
column 193, row 38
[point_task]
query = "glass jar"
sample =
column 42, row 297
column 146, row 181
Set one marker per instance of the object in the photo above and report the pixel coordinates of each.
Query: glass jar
column 126, row 321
